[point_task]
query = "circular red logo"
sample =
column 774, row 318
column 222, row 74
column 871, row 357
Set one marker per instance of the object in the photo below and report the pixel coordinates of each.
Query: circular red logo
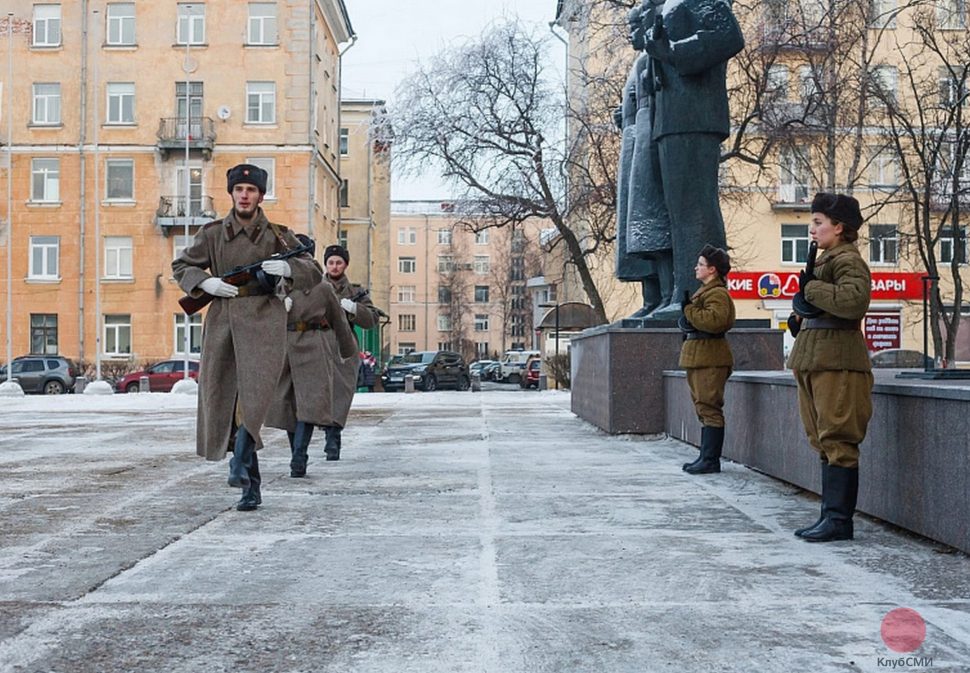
column 903, row 630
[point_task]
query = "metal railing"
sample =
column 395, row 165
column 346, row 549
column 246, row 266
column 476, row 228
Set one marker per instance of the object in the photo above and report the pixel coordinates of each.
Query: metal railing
column 171, row 210
column 172, row 133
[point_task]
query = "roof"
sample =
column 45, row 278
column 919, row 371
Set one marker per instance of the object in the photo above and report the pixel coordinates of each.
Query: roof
column 573, row 316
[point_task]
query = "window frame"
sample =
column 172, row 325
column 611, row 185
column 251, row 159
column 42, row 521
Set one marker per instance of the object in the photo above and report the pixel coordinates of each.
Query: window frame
column 879, row 243
column 113, row 164
column 195, row 335
column 478, row 289
column 48, row 99
column 407, row 261
column 481, row 322
column 268, row 164
column 119, row 253
column 482, row 264
column 344, row 141
column 406, row 294
column 44, row 244
column 444, row 236
column 254, row 90
column 192, row 19
column 46, row 20
column 407, row 322
column 794, row 241
column 43, row 332
column 111, row 91
column 262, row 21
column 115, row 325
column 119, row 23
column 51, row 180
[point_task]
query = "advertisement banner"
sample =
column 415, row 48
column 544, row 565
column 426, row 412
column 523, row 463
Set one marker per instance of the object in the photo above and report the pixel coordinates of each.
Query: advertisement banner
column 886, row 286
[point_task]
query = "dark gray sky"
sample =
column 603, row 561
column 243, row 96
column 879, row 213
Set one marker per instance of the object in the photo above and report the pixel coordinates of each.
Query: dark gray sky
column 394, row 35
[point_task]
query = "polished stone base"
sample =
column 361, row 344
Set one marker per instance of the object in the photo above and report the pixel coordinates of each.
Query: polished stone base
column 617, row 372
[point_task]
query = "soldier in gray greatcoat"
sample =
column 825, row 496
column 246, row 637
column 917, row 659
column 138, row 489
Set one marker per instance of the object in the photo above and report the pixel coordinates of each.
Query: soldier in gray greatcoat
column 244, row 338
column 361, row 312
column 303, row 396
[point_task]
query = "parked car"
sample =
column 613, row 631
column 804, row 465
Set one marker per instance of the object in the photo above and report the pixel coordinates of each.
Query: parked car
column 47, row 374
column 900, row 358
column 532, row 370
column 161, row 376
column 513, row 365
column 479, row 366
column 490, row 371
column 431, row 370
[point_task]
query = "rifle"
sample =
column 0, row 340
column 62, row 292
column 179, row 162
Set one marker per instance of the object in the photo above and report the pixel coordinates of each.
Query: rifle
column 240, row 276
column 800, row 305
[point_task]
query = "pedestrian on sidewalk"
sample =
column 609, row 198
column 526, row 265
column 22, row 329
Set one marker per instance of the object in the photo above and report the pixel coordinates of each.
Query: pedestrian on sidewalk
column 830, row 360
column 303, row 394
column 244, row 339
column 360, row 312
column 706, row 355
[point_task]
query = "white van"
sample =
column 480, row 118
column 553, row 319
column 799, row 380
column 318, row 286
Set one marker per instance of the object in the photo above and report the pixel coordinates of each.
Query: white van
column 513, row 365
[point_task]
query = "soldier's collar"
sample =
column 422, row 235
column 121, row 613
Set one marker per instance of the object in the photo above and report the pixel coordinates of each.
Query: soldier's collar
column 256, row 227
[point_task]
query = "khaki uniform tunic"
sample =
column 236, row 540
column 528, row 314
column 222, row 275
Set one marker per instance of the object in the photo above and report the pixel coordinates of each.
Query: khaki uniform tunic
column 709, row 361
column 243, row 338
column 345, row 371
column 832, row 366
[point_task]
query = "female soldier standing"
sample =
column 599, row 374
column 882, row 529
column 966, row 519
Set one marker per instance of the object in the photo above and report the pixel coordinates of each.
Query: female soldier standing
column 706, row 355
column 830, row 360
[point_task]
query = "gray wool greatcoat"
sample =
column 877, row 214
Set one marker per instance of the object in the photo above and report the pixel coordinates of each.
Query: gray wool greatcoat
column 304, row 389
column 243, row 338
column 345, row 373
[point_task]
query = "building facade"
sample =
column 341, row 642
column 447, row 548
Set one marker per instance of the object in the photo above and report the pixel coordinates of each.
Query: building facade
column 124, row 118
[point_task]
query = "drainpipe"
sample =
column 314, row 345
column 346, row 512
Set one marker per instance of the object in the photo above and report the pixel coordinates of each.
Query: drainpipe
column 340, row 97
column 311, row 141
column 83, row 166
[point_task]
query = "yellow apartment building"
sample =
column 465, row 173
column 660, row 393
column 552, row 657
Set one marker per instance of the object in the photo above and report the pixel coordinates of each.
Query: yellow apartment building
column 767, row 214
column 456, row 289
column 365, row 204
column 123, row 119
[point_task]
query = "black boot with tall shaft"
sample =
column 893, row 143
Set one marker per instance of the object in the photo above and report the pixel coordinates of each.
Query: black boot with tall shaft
column 821, row 517
column 251, row 497
column 299, row 442
column 712, row 440
column 838, row 502
column 242, row 457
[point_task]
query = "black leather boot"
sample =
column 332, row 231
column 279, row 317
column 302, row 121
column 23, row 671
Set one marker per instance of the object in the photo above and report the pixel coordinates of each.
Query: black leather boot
column 251, row 497
column 710, row 461
column 242, row 457
column 704, row 439
column 332, row 447
column 299, row 441
column 838, row 502
column 821, row 517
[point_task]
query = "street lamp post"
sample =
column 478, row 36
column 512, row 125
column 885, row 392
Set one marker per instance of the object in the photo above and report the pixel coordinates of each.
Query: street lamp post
column 9, row 382
column 188, row 67
column 555, row 305
column 98, row 318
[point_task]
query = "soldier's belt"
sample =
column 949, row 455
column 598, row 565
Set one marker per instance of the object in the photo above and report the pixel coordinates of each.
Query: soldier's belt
column 304, row 326
column 830, row 323
column 697, row 334
column 252, row 290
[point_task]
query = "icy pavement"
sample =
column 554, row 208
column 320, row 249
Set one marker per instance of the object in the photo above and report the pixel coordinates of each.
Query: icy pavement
column 489, row 532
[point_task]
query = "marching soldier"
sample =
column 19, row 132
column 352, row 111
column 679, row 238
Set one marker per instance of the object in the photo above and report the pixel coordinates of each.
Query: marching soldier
column 706, row 355
column 244, row 340
column 830, row 360
column 360, row 311
column 303, row 397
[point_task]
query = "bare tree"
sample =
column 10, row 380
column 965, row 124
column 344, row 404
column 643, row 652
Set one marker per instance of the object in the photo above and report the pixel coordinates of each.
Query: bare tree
column 454, row 287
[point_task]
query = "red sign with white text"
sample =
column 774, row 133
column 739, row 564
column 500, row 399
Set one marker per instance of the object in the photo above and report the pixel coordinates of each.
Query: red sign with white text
column 784, row 285
column 882, row 331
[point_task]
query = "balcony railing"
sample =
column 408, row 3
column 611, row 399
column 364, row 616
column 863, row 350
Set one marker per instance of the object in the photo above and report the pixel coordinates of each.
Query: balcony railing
column 171, row 212
column 172, row 133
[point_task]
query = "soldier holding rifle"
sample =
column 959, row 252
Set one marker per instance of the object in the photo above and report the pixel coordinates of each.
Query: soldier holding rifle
column 244, row 340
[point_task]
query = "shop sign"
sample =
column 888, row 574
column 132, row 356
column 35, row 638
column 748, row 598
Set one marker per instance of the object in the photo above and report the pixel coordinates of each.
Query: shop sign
column 882, row 331
column 784, row 285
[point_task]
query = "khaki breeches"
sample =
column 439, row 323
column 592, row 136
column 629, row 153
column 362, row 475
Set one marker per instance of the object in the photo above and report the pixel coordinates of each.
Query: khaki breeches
column 835, row 407
column 707, row 392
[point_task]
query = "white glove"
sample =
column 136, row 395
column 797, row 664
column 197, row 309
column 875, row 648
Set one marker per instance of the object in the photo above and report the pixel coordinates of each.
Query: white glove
column 278, row 267
column 218, row 288
column 349, row 306
column 287, row 304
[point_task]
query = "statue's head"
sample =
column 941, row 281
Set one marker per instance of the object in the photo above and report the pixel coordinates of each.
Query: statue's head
column 637, row 33
column 649, row 11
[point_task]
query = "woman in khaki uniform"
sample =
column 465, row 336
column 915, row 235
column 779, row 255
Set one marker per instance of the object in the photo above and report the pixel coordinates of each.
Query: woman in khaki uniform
column 706, row 355
column 830, row 360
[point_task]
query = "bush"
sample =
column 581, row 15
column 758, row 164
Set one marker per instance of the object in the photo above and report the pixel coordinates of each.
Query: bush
column 558, row 368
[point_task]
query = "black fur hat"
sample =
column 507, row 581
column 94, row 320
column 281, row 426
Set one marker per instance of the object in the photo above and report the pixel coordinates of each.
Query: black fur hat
column 338, row 250
column 717, row 258
column 840, row 207
column 249, row 174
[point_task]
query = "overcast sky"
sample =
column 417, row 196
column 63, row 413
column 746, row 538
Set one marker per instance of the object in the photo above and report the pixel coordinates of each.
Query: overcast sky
column 395, row 35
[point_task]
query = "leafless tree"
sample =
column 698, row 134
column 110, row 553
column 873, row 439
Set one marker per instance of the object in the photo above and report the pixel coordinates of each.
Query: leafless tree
column 454, row 289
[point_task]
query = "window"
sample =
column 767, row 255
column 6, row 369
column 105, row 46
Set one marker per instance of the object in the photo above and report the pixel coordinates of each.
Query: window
column 882, row 14
column 444, row 237
column 948, row 247
column 195, row 334
column 121, row 23
column 445, row 345
column 481, row 294
column 405, row 347
column 121, row 103
column 117, row 257
column 446, row 263
column 268, row 164
column 47, row 104
column 777, row 82
column 481, row 349
column 883, row 243
column 481, row 264
column 807, row 82
column 444, row 294
column 344, row 142
column 793, row 176
column 481, row 237
column 518, row 326
column 44, row 258
column 794, row 243
column 260, row 102
column 517, row 272
column 405, row 294
column 43, row 333
column 117, row 335
column 950, row 89
column 344, row 193
column 951, row 14
column 885, row 80
column 45, row 180
column 882, row 167
column 481, row 322
column 262, row 23
column 179, row 243
column 47, row 26
column 813, row 11
column 119, row 184
column 406, row 322
column 444, row 325
column 342, row 240
column 407, row 236
column 191, row 23
column 406, row 264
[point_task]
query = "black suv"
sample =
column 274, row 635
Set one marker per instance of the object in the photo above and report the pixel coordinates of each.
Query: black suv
column 48, row 374
column 431, row 370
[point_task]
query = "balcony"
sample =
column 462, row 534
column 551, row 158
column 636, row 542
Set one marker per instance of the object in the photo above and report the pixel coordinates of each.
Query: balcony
column 171, row 212
column 172, row 131
column 792, row 197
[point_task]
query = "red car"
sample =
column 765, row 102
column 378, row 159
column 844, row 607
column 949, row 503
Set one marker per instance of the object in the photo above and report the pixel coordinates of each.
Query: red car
column 161, row 376
column 532, row 369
